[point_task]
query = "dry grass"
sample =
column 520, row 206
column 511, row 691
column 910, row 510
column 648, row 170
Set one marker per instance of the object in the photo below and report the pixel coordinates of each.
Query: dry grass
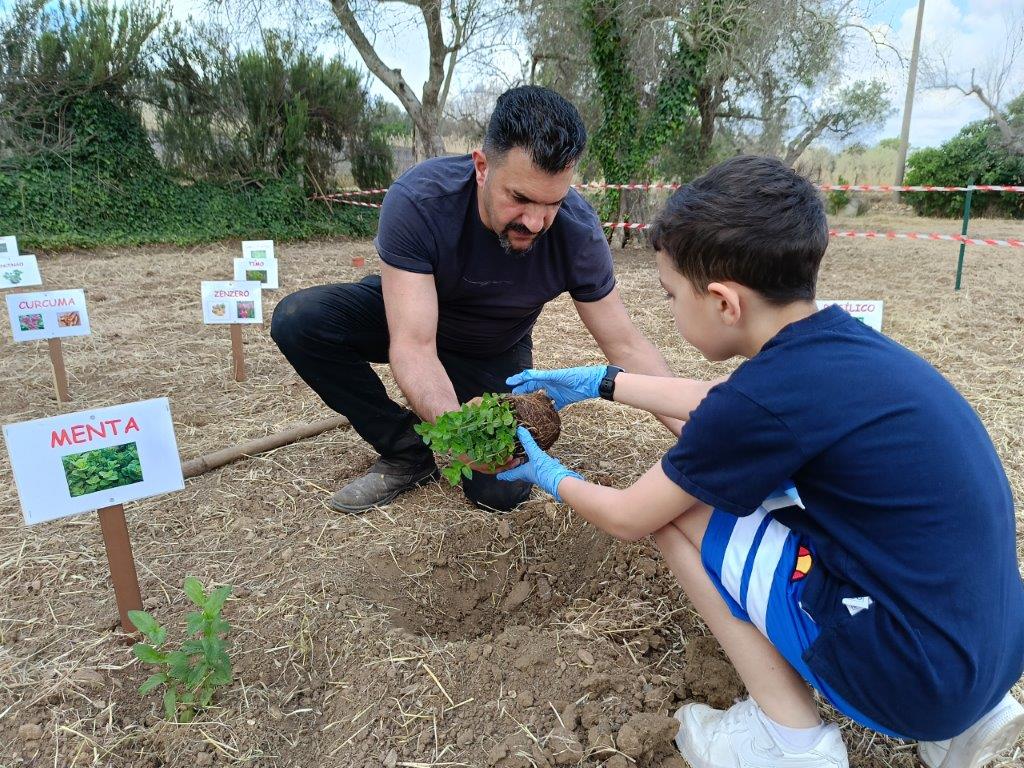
column 427, row 633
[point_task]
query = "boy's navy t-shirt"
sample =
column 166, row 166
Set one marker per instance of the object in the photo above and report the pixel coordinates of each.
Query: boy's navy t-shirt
column 905, row 501
column 488, row 300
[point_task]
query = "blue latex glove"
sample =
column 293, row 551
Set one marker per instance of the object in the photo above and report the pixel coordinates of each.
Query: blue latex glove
column 541, row 469
column 564, row 385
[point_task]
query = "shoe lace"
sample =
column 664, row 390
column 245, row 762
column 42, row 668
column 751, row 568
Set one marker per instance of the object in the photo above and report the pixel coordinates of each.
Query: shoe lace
column 738, row 714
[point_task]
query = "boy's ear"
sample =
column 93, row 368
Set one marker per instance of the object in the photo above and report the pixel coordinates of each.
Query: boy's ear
column 727, row 302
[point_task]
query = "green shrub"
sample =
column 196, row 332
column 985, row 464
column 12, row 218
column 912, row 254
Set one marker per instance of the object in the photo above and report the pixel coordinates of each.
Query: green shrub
column 979, row 151
column 838, row 198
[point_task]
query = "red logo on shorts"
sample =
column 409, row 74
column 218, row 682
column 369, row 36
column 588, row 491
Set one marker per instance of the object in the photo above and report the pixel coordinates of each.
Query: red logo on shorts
column 803, row 564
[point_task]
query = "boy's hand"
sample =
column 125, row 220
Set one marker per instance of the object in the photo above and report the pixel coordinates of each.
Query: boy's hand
column 541, row 469
column 564, row 385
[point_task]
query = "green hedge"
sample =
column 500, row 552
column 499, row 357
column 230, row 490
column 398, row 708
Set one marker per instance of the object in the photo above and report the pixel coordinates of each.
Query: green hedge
column 49, row 209
column 977, row 150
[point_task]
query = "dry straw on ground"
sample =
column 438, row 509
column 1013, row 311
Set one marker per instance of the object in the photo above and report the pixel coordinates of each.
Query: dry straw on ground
column 429, row 633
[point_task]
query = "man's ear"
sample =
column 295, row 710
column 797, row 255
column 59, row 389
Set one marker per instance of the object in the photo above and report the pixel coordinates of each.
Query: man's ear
column 480, row 164
column 727, row 302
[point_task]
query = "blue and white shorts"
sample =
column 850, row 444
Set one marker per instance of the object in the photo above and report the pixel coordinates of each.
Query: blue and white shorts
column 758, row 566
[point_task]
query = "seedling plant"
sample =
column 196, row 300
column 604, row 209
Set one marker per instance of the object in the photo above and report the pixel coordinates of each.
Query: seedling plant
column 483, row 433
column 192, row 673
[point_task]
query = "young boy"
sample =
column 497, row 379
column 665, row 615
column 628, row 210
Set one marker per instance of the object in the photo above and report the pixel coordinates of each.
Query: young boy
column 834, row 509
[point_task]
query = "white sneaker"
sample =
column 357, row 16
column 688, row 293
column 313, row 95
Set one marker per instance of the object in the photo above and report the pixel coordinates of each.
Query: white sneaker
column 737, row 738
column 981, row 743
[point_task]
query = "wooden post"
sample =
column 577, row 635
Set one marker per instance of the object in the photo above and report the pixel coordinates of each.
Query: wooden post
column 122, row 564
column 60, row 375
column 237, row 354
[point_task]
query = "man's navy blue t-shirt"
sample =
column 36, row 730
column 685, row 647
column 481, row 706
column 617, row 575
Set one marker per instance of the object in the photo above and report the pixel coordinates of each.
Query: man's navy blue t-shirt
column 488, row 300
column 906, row 502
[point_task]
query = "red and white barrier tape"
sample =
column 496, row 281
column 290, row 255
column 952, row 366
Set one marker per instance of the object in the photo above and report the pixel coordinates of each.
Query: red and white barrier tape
column 1008, row 243
column 342, row 196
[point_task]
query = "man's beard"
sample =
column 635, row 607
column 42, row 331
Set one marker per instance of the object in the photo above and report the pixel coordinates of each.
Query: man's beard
column 506, row 243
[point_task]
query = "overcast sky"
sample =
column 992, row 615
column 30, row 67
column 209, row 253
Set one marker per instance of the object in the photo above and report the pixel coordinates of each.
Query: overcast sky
column 972, row 29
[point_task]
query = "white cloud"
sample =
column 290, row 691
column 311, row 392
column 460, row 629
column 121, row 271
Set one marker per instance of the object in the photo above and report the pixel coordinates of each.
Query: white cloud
column 968, row 34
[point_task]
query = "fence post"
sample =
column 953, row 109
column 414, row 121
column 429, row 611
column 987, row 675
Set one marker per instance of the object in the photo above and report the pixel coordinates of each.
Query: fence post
column 963, row 232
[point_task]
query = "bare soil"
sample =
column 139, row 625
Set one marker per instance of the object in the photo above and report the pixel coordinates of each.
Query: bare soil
column 428, row 633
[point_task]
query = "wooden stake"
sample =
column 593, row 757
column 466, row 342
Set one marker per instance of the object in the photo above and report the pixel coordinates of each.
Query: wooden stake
column 237, row 354
column 60, row 375
column 122, row 564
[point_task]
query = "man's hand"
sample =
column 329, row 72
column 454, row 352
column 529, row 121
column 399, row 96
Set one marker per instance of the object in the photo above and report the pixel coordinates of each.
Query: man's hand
column 541, row 469
column 564, row 385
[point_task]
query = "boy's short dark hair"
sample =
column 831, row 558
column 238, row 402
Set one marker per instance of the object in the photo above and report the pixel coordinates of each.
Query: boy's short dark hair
column 539, row 121
column 751, row 220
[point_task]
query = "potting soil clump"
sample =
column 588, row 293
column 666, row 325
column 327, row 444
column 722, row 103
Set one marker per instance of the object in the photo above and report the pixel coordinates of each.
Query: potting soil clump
column 537, row 413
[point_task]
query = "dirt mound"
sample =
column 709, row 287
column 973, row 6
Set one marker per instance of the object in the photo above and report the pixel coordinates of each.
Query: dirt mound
column 489, row 573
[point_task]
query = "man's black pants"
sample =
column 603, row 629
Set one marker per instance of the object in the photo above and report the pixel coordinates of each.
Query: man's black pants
column 331, row 333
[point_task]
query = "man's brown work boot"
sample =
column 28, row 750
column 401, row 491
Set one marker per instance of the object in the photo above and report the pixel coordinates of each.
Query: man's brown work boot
column 381, row 485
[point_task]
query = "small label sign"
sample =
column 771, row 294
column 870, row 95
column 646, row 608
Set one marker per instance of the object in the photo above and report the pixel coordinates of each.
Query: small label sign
column 227, row 301
column 79, row 462
column 48, row 315
column 258, row 249
column 868, row 311
column 263, row 271
column 19, row 271
column 8, row 247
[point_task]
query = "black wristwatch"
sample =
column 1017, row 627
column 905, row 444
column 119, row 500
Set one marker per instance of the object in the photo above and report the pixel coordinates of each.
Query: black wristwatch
column 606, row 388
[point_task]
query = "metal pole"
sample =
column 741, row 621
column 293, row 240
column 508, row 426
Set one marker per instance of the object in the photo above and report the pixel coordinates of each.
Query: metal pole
column 908, row 103
column 963, row 231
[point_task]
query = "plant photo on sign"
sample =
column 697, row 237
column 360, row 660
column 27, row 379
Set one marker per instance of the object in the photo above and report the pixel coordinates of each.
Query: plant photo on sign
column 257, row 254
column 31, row 322
column 484, row 433
column 102, row 469
column 13, row 277
column 193, row 672
column 246, row 310
column 259, row 275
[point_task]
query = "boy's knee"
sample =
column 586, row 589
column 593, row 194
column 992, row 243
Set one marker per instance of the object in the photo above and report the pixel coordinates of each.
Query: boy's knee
column 487, row 492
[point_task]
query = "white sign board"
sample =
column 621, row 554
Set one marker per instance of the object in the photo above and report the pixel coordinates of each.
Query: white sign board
column 18, row 271
column 78, row 462
column 227, row 301
column 868, row 311
column 263, row 271
column 8, row 246
column 48, row 315
column 258, row 249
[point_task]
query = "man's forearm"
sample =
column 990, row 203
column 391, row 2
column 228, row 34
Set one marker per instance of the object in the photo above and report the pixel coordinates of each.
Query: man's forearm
column 423, row 380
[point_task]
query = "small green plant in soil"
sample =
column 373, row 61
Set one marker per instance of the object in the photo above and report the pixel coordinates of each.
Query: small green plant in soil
column 192, row 673
column 103, row 468
column 484, row 433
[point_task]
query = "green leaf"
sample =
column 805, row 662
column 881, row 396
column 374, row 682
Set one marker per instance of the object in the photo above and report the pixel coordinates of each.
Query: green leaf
column 148, row 626
column 178, row 665
column 148, row 653
column 152, row 682
column 216, row 601
column 194, row 622
column 194, row 590
column 170, row 704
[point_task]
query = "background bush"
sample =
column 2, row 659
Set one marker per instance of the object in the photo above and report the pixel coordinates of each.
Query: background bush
column 244, row 135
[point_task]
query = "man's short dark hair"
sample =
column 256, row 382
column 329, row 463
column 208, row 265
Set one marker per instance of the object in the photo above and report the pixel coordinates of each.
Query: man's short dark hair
column 539, row 121
column 751, row 220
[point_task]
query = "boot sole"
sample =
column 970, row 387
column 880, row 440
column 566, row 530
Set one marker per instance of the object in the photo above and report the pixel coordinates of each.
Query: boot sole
column 352, row 509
